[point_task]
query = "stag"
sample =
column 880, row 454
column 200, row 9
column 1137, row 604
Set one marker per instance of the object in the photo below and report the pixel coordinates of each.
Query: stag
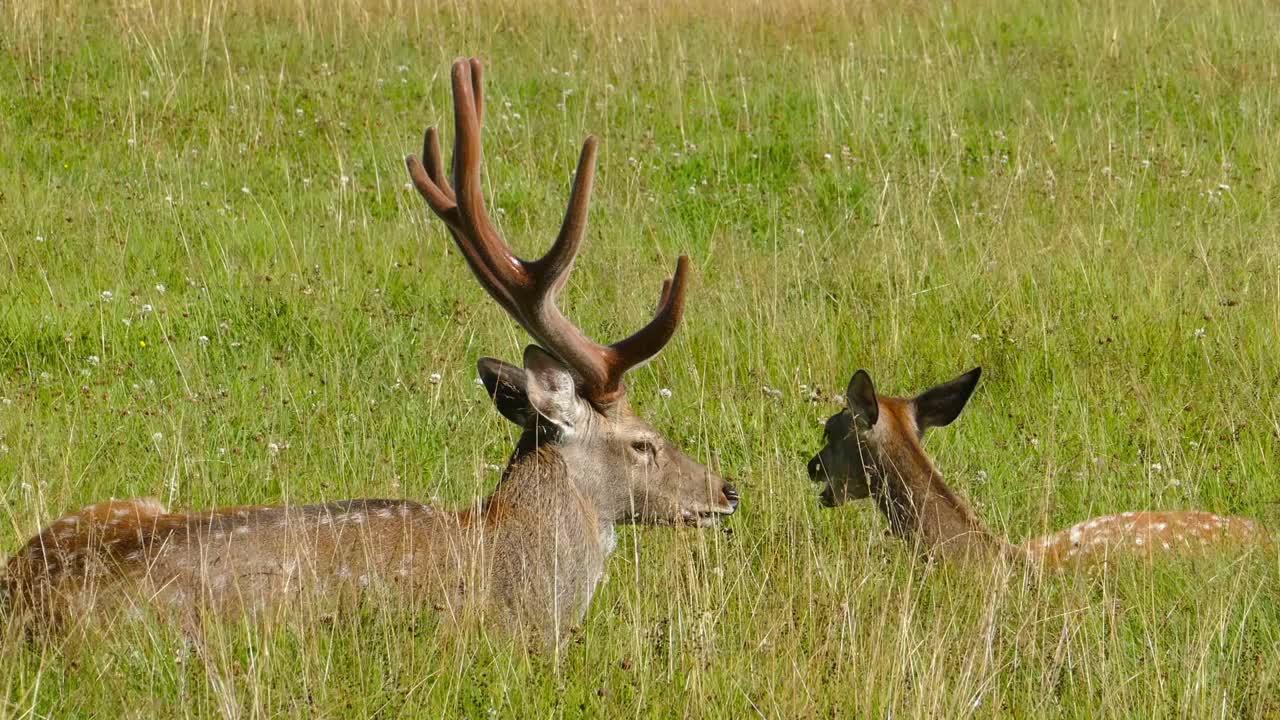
column 529, row 556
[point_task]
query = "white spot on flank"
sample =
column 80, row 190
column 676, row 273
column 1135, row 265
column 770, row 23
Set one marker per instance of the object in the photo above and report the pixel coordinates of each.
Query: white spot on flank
column 356, row 517
column 384, row 513
column 1075, row 535
column 1138, row 541
column 120, row 512
column 242, row 530
column 344, row 572
column 1166, row 545
column 364, row 581
column 1159, row 526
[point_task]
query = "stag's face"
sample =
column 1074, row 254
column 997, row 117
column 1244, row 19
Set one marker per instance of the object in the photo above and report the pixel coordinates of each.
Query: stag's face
column 629, row 470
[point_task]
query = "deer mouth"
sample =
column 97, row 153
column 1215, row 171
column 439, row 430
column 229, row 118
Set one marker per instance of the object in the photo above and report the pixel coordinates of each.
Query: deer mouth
column 710, row 516
column 705, row 518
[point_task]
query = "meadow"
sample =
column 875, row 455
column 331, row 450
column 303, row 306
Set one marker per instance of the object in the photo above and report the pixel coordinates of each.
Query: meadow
column 217, row 288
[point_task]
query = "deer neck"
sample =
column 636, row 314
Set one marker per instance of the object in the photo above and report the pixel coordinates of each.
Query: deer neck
column 539, row 487
column 920, row 507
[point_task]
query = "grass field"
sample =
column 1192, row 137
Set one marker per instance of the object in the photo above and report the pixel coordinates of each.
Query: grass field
column 216, row 288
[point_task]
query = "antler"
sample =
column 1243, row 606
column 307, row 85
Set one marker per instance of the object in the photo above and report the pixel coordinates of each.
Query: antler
column 528, row 290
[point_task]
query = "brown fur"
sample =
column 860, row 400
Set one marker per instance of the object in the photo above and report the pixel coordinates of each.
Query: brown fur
column 911, row 494
column 530, row 555
column 887, row 461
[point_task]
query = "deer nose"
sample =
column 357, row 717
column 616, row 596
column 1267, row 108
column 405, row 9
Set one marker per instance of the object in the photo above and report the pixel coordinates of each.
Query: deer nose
column 815, row 467
column 731, row 494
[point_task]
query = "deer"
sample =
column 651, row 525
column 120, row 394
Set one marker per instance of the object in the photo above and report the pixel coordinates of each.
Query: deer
column 874, row 448
column 527, row 557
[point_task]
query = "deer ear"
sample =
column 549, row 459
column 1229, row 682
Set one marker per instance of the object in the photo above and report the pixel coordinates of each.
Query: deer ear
column 551, row 390
column 940, row 405
column 507, row 388
column 861, row 397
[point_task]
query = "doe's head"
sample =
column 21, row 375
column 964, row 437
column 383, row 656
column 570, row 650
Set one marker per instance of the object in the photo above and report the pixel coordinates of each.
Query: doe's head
column 860, row 437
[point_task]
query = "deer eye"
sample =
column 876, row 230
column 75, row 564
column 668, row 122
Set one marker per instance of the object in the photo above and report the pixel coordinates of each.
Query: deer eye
column 644, row 447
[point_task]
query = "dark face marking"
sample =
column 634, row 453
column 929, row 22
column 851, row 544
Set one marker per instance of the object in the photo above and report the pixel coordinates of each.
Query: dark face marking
column 841, row 463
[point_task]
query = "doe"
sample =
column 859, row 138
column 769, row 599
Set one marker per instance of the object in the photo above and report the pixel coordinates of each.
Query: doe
column 874, row 449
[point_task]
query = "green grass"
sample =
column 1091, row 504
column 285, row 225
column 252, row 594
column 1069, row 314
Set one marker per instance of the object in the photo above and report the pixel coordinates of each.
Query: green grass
column 1083, row 200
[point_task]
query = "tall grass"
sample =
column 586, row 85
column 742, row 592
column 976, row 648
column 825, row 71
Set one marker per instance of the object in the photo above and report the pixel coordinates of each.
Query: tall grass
column 216, row 288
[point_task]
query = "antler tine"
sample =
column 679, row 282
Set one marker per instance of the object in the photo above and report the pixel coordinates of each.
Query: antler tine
column 430, row 184
column 477, row 88
column 552, row 269
column 646, row 342
column 435, row 162
column 467, row 156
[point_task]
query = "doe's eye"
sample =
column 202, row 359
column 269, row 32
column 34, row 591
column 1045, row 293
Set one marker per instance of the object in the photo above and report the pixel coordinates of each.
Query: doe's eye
column 644, row 447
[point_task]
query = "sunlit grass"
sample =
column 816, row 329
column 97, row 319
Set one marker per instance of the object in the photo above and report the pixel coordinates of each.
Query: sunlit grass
column 1081, row 199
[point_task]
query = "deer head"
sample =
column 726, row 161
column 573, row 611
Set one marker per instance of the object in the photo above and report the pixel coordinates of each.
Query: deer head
column 873, row 448
column 874, row 438
column 569, row 396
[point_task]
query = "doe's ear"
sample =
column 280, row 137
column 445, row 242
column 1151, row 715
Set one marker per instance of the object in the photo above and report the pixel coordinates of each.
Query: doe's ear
column 941, row 404
column 507, row 388
column 861, row 398
column 551, row 390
